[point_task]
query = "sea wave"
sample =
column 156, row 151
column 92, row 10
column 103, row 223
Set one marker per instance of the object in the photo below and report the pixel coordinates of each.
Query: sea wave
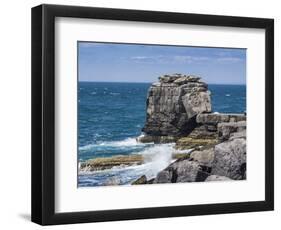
column 156, row 158
column 128, row 142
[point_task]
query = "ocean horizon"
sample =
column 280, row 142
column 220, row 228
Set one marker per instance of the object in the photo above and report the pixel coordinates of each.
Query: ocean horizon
column 132, row 82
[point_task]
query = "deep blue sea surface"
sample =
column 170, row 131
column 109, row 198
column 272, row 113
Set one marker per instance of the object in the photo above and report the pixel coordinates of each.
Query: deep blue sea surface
column 110, row 117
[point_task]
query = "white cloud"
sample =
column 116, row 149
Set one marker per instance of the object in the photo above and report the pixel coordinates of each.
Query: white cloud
column 169, row 59
column 229, row 59
column 183, row 59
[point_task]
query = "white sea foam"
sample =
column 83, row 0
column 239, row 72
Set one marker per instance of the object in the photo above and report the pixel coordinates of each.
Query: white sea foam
column 127, row 142
column 114, row 94
column 227, row 95
column 156, row 158
column 123, row 143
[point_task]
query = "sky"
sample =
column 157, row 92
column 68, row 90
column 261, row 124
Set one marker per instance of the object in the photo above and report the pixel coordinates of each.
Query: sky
column 117, row 62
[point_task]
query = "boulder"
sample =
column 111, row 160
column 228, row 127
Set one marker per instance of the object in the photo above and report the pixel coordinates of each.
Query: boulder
column 230, row 159
column 203, row 157
column 182, row 171
column 141, row 180
column 165, row 176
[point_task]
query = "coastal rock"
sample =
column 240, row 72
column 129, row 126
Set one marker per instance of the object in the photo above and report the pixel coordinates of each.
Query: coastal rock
column 204, row 157
column 173, row 103
column 230, row 159
column 241, row 134
column 204, row 132
column 141, row 180
column 215, row 118
column 165, row 176
column 182, row 171
column 225, row 129
column 103, row 163
column 217, row 178
column 182, row 154
column 197, row 102
column 190, row 143
column 156, row 139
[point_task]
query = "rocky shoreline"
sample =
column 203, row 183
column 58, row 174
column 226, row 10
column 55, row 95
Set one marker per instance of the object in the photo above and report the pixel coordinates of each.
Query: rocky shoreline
column 179, row 107
column 179, row 110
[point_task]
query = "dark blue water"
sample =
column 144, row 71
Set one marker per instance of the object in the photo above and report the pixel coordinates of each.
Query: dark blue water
column 111, row 116
column 228, row 98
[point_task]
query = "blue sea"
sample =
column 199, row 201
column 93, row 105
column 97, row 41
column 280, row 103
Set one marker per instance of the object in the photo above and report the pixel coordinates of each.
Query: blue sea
column 111, row 116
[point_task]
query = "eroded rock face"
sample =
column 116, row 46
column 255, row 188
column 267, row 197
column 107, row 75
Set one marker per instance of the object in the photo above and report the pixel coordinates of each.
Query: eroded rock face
column 182, row 171
column 225, row 129
column 230, row 159
column 173, row 103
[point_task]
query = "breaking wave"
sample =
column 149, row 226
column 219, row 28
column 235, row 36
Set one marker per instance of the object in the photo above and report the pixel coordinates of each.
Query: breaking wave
column 156, row 158
column 128, row 142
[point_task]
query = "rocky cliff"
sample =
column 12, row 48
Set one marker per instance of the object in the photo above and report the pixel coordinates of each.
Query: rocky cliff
column 172, row 106
column 179, row 110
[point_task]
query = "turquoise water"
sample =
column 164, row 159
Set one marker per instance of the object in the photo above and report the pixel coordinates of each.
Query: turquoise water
column 111, row 116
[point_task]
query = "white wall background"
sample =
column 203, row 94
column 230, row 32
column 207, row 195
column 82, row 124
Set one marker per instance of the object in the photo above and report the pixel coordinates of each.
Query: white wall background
column 15, row 113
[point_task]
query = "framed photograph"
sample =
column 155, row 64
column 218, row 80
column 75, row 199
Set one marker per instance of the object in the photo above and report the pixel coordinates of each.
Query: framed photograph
column 142, row 114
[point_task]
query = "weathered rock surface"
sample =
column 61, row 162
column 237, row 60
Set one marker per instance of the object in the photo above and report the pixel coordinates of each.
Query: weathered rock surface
column 240, row 134
column 103, row 163
column 141, row 180
column 204, row 157
column 156, row 139
column 182, row 171
column 204, row 132
column 173, row 103
column 225, row 129
column 217, row 178
column 190, row 143
column 215, row 118
column 230, row 159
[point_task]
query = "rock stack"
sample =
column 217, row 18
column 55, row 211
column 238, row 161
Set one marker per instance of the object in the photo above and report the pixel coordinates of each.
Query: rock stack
column 172, row 106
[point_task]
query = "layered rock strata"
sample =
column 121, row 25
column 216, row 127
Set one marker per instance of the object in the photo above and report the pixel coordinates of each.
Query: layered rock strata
column 172, row 106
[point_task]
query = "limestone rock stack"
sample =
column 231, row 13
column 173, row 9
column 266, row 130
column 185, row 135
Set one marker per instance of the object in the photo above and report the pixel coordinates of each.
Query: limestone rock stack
column 173, row 103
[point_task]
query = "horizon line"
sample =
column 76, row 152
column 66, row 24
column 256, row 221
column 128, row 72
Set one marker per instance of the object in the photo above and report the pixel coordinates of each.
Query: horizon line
column 154, row 82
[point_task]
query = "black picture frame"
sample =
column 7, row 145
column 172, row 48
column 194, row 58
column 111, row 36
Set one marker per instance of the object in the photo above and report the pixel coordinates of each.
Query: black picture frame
column 43, row 114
